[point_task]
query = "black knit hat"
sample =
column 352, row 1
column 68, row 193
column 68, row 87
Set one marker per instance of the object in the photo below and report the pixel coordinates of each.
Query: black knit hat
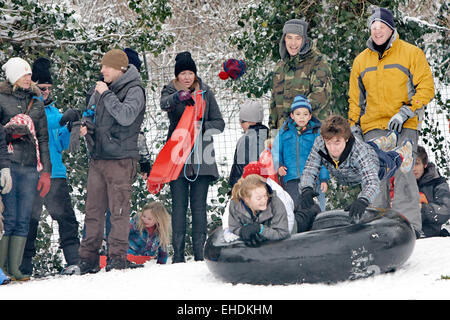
column 183, row 62
column 133, row 58
column 41, row 71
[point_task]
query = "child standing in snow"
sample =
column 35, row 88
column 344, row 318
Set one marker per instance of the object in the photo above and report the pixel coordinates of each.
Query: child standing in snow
column 292, row 146
column 251, row 144
column 150, row 232
column 353, row 162
column 256, row 212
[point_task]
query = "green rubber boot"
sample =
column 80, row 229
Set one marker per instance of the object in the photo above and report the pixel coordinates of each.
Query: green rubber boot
column 15, row 254
column 4, row 246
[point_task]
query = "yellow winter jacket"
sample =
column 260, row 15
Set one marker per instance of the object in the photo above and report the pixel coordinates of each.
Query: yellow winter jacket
column 379, row 87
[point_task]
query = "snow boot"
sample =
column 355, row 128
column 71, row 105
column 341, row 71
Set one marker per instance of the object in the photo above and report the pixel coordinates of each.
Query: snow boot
column 386, row 143
column 198, row 243
column 85, row 267
column 4, row 246
column 178, row 243
column 116, row 263
column 27, row 265
column 15, row 254
column 405, row 151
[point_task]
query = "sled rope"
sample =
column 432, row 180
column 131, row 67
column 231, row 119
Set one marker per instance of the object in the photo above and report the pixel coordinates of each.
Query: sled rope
column 196, row 143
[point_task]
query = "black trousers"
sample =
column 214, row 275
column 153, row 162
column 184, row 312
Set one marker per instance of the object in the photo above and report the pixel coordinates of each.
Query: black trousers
column 59, row 206
column 194, row 193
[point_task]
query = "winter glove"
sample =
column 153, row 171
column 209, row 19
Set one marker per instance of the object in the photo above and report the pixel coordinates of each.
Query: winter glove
column 250, row 234
column 396, row 122
column 69, row 116
column 146, row 167
column 184, row 96
column 307, row 198
column 357, row 208
column 357, row 132
column 44, row 184
column 74, row 143
column 5, row 180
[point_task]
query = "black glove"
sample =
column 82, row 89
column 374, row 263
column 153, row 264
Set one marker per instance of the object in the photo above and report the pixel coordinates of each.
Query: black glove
column 357, row 208
column 146, row 167
column 74, row 143
column 250, row 234
column 307, row 198
column 70, row 115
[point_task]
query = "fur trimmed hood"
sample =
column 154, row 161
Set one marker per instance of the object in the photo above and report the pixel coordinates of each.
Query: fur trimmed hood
column 7, row 88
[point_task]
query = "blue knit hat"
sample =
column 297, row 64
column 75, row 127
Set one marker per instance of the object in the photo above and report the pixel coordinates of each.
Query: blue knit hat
column 301, row 101
column 383, row 15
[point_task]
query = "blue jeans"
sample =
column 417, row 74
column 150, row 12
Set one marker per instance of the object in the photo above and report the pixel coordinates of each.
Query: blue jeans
column 19, row 201
column 390, row 161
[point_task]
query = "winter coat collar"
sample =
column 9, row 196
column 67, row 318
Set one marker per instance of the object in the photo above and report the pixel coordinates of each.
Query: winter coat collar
column 430, row 176
column 7, row 88
column 130, row 75
column 261, row 215
column 390, row 44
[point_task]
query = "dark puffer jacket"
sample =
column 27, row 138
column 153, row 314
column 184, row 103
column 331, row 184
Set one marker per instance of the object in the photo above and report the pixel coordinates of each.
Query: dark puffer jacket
column 14, row 102
column 437, row 211
column 212, row 124
column 119, row 113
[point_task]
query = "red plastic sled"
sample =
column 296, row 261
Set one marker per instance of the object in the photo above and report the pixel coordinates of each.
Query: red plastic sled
column 130, row 257
column 173, row 155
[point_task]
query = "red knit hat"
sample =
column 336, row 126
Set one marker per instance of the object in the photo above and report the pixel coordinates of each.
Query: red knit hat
column 255, row 167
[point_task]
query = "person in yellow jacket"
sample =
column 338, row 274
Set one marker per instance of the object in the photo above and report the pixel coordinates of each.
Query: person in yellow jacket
column 390, row 84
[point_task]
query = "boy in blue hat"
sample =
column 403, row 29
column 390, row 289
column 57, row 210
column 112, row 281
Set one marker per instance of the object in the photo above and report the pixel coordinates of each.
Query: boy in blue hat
column 292, row 146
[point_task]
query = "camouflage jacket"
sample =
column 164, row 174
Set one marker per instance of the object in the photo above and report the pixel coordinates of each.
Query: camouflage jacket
column 308, row 74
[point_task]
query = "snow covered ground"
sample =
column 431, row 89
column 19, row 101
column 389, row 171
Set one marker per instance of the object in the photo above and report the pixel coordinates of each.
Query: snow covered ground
column 418, row 278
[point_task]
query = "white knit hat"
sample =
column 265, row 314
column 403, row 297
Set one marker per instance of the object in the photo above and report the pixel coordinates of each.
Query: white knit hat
column 15, row 68
column 251, row 111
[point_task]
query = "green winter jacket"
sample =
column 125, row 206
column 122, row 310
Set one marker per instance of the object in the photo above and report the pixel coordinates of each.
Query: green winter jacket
column 307, row 73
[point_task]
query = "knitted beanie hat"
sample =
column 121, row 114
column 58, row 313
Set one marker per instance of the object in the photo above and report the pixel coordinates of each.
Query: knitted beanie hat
column 41, row 71
column 251, row 111
column 255, row 167
column 116, row 59
column 300, row 101
column 183, row 62
column 15, row 68
column 133, row 58
column 233, row 68
column 383, row 15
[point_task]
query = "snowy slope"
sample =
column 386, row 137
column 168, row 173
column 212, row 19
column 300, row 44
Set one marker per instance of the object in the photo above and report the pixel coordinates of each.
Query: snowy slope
column 418, row 278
